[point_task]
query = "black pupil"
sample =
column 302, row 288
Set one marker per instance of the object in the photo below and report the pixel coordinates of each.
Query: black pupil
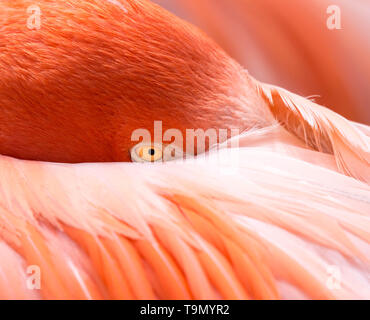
column 151, row 152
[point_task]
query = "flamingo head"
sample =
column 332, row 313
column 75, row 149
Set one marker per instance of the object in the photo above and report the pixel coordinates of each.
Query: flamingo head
column 95, row 71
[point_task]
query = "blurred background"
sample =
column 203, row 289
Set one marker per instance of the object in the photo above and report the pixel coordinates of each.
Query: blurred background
column 288, row 43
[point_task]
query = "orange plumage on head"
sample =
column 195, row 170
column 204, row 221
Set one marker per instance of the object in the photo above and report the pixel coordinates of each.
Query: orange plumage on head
column 76, row 88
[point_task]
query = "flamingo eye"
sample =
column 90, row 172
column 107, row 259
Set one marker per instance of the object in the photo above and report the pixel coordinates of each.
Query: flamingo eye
column 155, row 152
column 147, row 152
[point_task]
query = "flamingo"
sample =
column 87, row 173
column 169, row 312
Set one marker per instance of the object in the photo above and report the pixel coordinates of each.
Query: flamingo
column 294, row 44
column 281, row 214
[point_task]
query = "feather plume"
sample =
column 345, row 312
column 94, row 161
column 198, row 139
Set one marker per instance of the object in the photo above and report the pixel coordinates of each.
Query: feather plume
column 322, row 129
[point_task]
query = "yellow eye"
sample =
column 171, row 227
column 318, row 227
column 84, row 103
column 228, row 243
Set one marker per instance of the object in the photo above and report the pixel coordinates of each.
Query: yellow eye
column 146, row 153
